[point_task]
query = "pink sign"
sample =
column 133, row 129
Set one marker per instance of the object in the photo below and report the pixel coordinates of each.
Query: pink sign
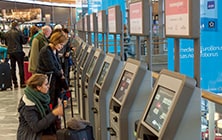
column 86, row 26
column 112, row 19
column 91, row 23
column 100, row 24
column 112, row 14
column 136, row 18
column 174, row 7
column 136, row 10
column 177, row 17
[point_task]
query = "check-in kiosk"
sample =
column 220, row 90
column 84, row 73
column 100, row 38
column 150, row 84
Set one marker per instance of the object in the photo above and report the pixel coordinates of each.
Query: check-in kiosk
column 79, row 59
column 173, row 112
column 78, row 43
column 82, row 74
column 81, row 54
column 91, row 74
column 104, row 86
column 129, row 100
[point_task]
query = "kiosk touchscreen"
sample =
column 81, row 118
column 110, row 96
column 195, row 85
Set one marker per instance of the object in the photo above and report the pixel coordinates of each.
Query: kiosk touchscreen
column 91, row 74
column 173, row 112
column 128, row 100
column 103, row 88
column 82, row 74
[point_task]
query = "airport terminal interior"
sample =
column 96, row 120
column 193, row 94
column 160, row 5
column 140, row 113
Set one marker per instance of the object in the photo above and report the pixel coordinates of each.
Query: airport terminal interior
column 139, row 69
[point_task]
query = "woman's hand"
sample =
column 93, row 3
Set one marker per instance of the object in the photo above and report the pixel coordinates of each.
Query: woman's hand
column 58, row 111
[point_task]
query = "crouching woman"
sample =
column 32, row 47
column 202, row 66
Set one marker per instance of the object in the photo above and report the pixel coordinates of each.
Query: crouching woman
column 36, row 120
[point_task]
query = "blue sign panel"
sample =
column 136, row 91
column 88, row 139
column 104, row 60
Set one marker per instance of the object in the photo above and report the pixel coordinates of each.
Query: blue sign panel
column 210, row 4
column 210, row 45
column 209, row 24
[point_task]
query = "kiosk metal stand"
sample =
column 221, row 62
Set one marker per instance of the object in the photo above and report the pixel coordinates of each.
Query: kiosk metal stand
column 89, row 82
column 103, row 89
column 129, row 99
column 79, row 59
column 82, row 75
column 173, row 112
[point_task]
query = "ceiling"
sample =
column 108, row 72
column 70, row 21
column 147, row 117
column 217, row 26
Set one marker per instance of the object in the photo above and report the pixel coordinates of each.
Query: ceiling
column 60, row 1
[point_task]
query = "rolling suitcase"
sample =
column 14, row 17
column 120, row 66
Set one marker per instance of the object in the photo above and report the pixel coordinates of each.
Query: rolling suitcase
column 27, row 74
column 5, row 74
column 71, row 134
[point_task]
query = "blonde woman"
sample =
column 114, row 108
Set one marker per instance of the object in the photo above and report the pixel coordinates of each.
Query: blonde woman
column 49, row 62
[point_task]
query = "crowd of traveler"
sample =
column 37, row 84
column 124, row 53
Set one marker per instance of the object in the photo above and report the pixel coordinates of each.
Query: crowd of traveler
column 49, row 62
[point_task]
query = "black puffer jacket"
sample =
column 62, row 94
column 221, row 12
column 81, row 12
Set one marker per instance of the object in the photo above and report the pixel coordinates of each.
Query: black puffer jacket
column 31, row 125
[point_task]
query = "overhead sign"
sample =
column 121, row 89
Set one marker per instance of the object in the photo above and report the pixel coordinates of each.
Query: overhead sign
column 139, row 17
column 93, row 22
column 209, row 15
column 86, row 23
column 182, row 18
column 114, row 19
column 102, row 21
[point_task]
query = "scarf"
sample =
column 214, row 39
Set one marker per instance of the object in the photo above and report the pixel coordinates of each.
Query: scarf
column 41, row 100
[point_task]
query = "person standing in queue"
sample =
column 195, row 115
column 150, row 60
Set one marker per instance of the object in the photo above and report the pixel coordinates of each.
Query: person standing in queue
column 64, row 55
column 36, row 120
column 38, row 42
column 14, row 39
column 49, row 62
column 34, row 30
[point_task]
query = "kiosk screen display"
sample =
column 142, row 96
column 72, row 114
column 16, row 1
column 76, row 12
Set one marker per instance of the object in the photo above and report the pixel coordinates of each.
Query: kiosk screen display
column 92, row 65
column 123, row 85
column 84, row 60
column 159, row 108
column 103, row 73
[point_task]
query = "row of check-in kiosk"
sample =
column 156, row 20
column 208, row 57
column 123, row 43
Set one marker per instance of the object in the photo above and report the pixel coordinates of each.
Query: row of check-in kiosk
column 123, row 101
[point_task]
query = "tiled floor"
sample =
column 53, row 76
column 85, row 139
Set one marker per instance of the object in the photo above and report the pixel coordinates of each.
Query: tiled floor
column 8, row 113
column 9, row 116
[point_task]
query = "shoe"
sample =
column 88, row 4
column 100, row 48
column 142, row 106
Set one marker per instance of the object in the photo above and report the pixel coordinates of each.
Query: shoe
column 15, row 86
column 23, row 85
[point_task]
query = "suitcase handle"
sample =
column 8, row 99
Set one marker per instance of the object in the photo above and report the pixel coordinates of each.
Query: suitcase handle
column 62, row 98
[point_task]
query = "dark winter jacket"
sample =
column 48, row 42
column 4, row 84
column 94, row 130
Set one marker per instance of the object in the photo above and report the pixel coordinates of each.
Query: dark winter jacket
column 14, row 40
column 49, row 62
column 31, row 125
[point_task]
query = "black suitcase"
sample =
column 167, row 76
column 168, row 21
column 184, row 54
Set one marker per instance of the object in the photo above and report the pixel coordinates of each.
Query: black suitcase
column 70, row 134
column 5, row 74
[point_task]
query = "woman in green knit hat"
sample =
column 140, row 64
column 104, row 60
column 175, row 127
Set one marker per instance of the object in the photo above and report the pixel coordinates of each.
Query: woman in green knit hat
column 36, row 120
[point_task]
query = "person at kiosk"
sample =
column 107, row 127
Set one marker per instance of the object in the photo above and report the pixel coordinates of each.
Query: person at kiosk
column 49, row 62
column 36, row 120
